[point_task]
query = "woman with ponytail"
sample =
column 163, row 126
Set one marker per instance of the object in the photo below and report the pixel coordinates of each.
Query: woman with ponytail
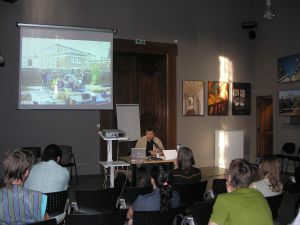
column 161, row 198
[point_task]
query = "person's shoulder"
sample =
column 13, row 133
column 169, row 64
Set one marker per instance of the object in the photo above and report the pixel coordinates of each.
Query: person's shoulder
column 195, row 170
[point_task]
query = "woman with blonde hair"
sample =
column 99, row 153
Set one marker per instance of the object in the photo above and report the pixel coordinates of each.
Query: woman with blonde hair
column 268, row 182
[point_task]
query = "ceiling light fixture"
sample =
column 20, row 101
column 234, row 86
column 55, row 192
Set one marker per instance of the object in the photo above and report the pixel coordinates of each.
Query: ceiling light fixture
column 269, row 14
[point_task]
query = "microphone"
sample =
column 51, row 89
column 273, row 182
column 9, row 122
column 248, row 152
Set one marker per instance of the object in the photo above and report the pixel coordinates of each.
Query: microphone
column 157, row 146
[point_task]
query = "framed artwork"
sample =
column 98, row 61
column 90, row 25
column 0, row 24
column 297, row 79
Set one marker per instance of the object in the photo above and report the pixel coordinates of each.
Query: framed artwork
column 218, row 98
column 193, row 98
column 288, row 68
column 241, row 99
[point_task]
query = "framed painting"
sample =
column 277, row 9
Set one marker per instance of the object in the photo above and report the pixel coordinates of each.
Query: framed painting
column 241, row 99
column 288, row 68
column 193, row 98
column 218, row 98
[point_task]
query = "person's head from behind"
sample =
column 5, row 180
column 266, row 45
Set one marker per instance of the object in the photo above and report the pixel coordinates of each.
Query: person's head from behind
column 161, row 178
column 150, row 133
column 17, row 166
column 269, row 168
column 185, row 159
column 143, row 178
column 52, row 152
column 239, row 174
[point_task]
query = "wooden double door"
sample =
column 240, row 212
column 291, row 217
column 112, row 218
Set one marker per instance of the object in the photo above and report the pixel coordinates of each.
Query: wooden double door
column 143, row 77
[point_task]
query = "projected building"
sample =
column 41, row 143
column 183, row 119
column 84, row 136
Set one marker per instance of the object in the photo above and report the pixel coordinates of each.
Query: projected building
column 60, row 57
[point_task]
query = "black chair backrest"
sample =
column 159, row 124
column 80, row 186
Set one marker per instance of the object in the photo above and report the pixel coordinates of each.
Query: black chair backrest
column 191, row 192
column 297, row 175
column 81, row 219
column 274, row 203
column 1, row 182
column 130, row 194
column 95, row 201
column 156, row 217
column 289, row 148
column 56, row 202
column 36, row 151
column 201, row 211
column 113, row 217
column 219, row 186
column 45, row 222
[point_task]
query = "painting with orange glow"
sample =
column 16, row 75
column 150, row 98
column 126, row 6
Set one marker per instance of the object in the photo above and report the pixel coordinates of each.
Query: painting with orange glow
column 218, row 98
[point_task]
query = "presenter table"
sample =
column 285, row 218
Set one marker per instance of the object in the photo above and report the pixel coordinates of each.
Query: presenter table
column 135, row 162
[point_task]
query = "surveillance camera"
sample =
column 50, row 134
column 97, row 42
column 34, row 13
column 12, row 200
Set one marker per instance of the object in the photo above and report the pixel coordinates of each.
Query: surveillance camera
column 1, row 61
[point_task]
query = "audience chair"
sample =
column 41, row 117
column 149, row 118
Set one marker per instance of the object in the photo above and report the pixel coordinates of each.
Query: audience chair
column 81, row 219
column 219, row 187
column 95, row 201
column 201, row 211
column 191, row 192
column 36, row 151
column 287, row 151
column 1, row 182
column 294, row 188
column 68, row 159
column 45, row 222
column 112, row 217
column 56, row 203
column 274, row 203
column 156, row 217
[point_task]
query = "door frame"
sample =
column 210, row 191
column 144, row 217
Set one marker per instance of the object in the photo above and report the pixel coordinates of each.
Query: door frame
column 169, row 51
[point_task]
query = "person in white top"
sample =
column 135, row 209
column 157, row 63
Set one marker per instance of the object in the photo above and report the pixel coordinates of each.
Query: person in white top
column 268, row 182
column 48, row 176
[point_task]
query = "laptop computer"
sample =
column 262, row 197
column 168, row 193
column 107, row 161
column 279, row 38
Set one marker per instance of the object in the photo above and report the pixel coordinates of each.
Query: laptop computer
column 138, row 153
column 170, row 154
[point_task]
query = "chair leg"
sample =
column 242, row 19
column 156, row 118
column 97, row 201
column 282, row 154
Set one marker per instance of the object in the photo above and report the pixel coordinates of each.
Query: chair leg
column 76, row 173
column 71, row 173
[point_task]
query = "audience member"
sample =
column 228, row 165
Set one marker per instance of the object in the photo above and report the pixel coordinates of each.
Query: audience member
column 241, row 205
column 186, row 173
column 268, row 177
column 152, row 144
column 143, row 178
column 161, row 198
column 18, row 204
column 48, row 176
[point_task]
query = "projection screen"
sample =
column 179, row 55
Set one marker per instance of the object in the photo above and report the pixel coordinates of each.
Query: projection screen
column 65, row 68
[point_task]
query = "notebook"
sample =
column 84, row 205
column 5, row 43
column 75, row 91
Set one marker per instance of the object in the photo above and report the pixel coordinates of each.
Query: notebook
column 138, row 153
column 170, row 154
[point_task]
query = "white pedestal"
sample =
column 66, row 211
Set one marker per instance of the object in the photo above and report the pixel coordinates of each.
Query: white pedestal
column 229, row 145
column 110, row 163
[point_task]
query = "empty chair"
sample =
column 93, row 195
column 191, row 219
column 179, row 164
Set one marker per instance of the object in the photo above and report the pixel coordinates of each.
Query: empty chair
column 36, row 151
column 294, row 187
column 156, row 217
column 45, row 222
column 274, row 203
column 56, row 203
column 81, row 219
column 191, row 192
column 219, row 186
column 201, row 212
column 68, row 159
column 288, row 150
column 95, row 201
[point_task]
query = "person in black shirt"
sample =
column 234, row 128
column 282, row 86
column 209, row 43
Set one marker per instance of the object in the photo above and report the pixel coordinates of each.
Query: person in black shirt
column 152, row 144
column 185, row 172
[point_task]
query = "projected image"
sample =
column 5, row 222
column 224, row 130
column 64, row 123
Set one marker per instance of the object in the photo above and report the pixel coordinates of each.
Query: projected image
column 65, row 72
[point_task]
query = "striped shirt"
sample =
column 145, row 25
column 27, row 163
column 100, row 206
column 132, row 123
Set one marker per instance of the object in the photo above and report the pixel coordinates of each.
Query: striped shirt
column 19, row 206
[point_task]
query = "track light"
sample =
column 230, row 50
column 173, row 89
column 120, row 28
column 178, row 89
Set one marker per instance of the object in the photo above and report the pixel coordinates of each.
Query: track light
column 269, row 14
